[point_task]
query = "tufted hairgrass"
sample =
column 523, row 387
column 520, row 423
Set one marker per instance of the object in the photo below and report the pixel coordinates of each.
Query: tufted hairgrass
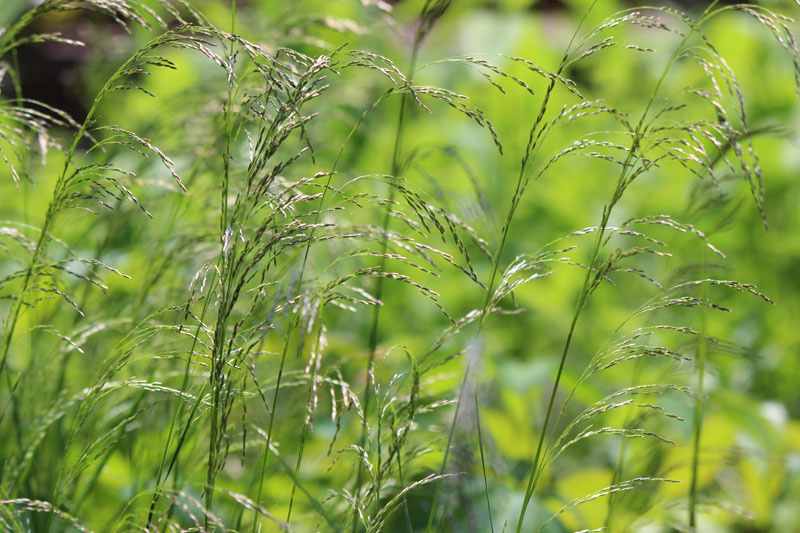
column 270, row 266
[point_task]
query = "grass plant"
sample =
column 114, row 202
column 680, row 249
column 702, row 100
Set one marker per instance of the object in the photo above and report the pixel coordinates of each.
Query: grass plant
column 263, row 284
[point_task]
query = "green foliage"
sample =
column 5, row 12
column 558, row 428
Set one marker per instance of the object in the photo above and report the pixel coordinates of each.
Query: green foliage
column 426, row 266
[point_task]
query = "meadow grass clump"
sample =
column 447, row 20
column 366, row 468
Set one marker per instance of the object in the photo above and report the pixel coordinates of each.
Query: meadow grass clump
column 274, row 281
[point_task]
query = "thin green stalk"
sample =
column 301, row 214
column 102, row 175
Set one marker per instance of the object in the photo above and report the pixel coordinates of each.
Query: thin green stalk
column 397, row 445
column 271, row 424
column 518, row 193
column 620, row 462
column 217, row 363
column 622, row 183
column 226, row 156
column 11, row 324
column 581, row 302
column 483, row 462
column 178, row 412
column 699, row 405
column 325, row 190
column 218, row 353
column 57, row 197
column 293, row 324
column 373, row 332
column 699, row 408
column 8, row 39
column 307, row 422
column 461, row 390
column 54, row 207
column 373, row 343
column 535, row 469
column 136, row 312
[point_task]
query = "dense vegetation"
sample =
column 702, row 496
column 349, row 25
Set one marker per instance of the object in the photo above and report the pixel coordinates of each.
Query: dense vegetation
column 405, row 266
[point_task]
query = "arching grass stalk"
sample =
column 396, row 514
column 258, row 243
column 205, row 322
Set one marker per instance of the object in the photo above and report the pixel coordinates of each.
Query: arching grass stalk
column 317, row 217
column 626, row 176
column 432, row 10
column 166, row 256
column 161, row 476
column 60, row 198
column 702, row 350
column 536, row 136
column 249, row 249
column 67, row 194
column 619, row 466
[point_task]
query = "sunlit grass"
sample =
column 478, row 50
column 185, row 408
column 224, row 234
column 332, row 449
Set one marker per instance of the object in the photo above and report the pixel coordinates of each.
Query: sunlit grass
column 319, row 278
